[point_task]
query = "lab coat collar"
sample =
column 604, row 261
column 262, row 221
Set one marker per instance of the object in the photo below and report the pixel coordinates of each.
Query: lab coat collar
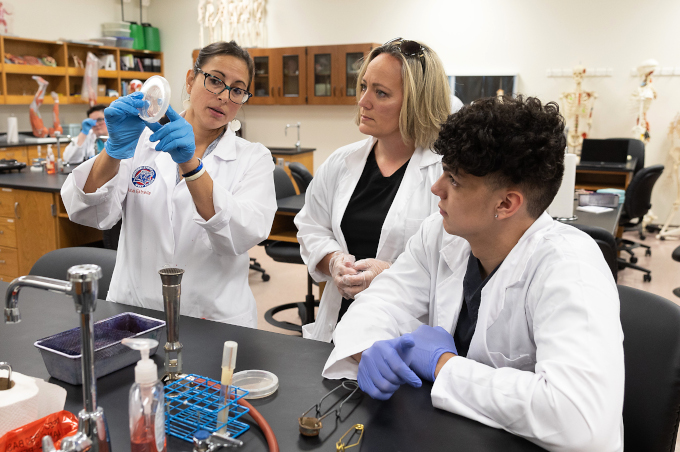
column 449, row 294
column 226, row 148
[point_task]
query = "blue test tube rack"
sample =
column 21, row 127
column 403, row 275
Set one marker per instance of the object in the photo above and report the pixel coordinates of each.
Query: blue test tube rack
column 193, row 403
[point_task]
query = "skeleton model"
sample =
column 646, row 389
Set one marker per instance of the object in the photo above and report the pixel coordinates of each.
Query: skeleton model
column 674, row 133
column 201, row 21
column 578, row 111
column 239, row 20
column 3, row 19
column 643, row 97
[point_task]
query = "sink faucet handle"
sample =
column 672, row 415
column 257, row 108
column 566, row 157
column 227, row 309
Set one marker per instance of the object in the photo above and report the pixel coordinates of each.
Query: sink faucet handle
column 84, row 280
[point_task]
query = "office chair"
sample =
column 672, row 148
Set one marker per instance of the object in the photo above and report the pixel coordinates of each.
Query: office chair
column 607, row 245
column 301, row 175
column 636, row 206
column 651, row 346
column 56, row 263
column 290, row 253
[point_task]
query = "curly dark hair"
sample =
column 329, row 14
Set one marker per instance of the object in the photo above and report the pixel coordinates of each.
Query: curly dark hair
column 513, row 140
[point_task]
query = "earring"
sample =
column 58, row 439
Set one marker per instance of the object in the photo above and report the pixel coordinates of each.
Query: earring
column 235, row 125
column 186, row 103
column 496, row 216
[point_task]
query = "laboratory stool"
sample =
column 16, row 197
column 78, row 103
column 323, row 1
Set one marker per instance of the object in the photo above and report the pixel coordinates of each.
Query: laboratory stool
column 288, row 252
column 676, row 257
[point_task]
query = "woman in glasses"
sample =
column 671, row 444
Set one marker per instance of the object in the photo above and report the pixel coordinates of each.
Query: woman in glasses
column 370, row 197
column 191, row 193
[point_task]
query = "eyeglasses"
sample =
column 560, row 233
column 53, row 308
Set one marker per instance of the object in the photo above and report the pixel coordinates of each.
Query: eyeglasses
column 217, row 86
column 408, row 49
column 100, row 120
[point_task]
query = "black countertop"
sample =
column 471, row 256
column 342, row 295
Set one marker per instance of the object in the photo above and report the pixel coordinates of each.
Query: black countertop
column 28, row 180
column 406, row 422
column 290, row 151
column 24, row 142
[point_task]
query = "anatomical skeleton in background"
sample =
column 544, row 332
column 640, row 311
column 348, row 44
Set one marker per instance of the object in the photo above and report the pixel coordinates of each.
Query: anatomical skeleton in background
column 238, row 20
column 39, row 129
column 643, row 97
column 577, row 108
column 674, row 152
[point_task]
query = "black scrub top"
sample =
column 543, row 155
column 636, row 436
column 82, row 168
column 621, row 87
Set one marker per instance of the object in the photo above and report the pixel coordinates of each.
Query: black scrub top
column 472, row 298
column 366, row 211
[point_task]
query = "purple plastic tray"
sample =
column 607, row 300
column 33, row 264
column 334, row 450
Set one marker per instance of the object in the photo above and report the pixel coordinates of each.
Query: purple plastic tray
column 62, row 356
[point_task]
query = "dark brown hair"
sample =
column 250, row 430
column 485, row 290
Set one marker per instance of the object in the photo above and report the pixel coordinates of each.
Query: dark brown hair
column 225, row 48
column 512, row 140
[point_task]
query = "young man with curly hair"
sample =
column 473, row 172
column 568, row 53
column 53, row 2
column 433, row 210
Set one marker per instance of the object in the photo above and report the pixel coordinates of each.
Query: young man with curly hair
column 513, row 316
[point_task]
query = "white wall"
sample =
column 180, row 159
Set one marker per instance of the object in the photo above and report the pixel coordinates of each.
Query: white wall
column 61, row 19
column 525, row 37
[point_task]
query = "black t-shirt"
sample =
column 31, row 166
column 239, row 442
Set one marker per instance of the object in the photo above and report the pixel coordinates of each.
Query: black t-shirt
column 472, row 298
column 366, row 211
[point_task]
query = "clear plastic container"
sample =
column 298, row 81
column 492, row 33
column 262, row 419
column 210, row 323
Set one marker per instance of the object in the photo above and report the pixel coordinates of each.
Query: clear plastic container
column 117, row 32
column 157, row 94
column 258, row 383
column 124, row 43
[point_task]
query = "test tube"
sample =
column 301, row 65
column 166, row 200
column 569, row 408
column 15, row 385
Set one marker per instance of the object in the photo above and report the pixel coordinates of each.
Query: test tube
column 228, row 365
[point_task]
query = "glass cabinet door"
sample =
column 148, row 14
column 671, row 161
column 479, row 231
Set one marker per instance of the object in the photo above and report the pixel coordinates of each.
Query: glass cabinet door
column 290, row 82
column 322, row 82
column 262, row 86
column 350, row 59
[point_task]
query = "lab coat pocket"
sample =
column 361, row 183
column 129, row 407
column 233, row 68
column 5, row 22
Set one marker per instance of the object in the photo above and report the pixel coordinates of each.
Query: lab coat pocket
column 522, row 362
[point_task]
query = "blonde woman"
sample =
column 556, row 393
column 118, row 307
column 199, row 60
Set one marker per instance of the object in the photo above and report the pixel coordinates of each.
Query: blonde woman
column 369, row 197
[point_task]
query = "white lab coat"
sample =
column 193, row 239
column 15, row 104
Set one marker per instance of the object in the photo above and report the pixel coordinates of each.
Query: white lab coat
column 162, row 227
column 318, row 223
column 546, row 359
column 76, row 154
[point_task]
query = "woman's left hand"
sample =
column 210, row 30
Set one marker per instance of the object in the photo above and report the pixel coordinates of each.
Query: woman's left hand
column 176, row 137
column 367, row 270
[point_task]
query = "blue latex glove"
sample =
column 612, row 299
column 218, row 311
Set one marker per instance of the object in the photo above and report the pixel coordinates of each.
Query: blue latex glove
column 87, row 125
column 176, row 137
column 124, row 125
column 430, row 345
column 384, row 367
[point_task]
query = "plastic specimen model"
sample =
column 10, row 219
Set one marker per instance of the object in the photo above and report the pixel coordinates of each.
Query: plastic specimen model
column 39, row 129
column 674, row 152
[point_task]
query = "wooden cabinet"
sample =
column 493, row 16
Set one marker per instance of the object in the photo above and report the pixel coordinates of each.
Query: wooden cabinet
column 320, row 75
column 280, row 76
column 19, row 153
column 30, row 226
column 332, row 73
column 18, row 86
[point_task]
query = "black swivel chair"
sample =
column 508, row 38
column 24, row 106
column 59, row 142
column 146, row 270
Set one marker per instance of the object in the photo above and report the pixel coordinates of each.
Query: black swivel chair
column 301, row 175
column 290, row 253
column 607, row 245
column 676, row 257
column 651, row 346
column 56, row 263
column 635, row 207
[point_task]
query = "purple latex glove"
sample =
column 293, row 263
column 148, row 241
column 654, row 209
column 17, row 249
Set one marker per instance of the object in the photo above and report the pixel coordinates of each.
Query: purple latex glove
column 384, row 367
column 430, row 345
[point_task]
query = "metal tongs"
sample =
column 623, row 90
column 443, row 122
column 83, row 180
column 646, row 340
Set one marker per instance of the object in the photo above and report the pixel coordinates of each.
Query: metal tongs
column 206, row 442
column 310, row 426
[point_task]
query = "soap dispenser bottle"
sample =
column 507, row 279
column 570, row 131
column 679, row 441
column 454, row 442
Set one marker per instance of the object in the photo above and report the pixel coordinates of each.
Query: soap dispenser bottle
column 147, row 402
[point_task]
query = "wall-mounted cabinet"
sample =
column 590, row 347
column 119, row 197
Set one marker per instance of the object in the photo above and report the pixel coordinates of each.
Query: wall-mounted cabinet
column 18, row 86
column 321, row 75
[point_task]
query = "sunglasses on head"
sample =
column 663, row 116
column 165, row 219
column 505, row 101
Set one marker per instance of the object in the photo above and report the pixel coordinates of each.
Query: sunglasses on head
column 408, row 49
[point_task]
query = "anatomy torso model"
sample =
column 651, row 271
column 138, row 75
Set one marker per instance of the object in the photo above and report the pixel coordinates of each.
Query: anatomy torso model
column 239, row 20
column 577, row 107
column 643, row 97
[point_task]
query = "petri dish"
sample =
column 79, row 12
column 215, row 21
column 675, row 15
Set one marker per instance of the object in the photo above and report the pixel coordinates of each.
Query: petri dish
column 258, row 383
column 157, row 95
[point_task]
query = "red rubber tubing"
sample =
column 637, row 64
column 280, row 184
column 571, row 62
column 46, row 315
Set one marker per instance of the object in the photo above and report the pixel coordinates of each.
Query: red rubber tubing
column 263, row 424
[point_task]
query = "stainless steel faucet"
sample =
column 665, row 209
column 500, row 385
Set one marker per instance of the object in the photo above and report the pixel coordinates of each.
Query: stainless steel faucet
column 82, row 285
column 297, row 145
